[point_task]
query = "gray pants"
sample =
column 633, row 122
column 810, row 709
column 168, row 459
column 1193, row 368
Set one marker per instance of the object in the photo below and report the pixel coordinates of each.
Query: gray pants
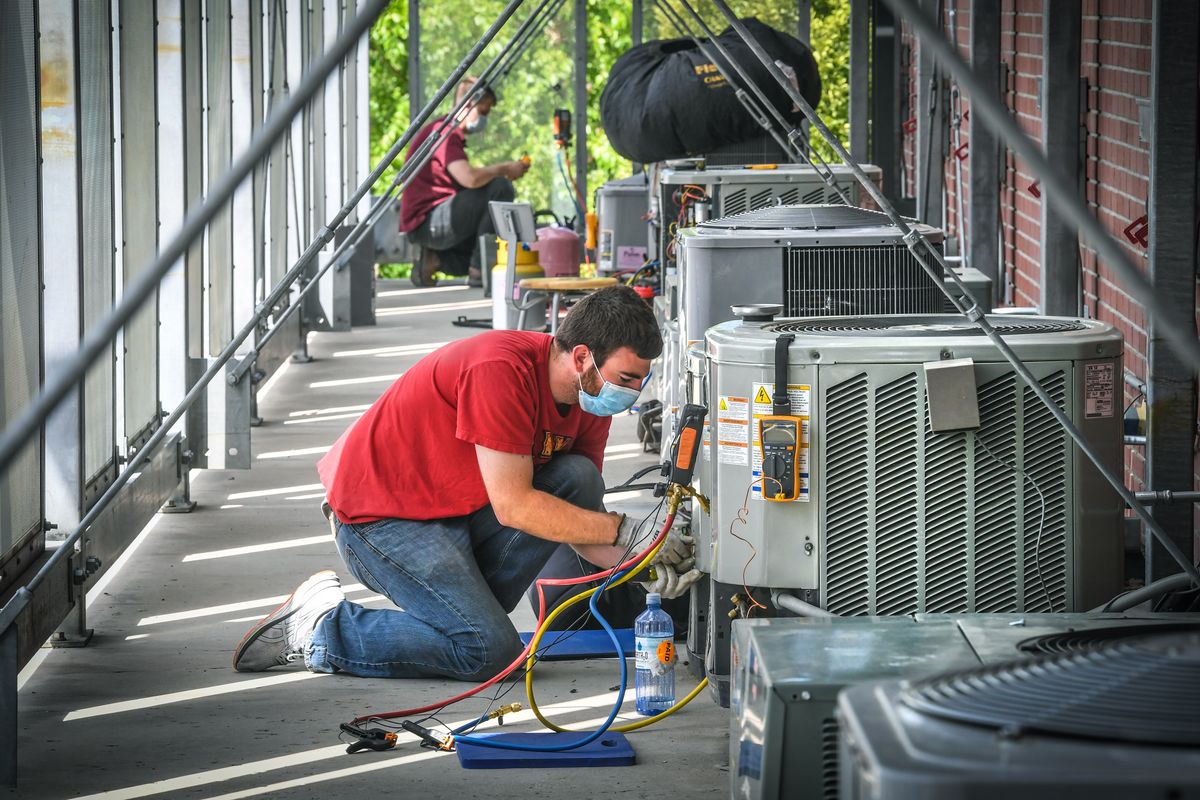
column 453, row 227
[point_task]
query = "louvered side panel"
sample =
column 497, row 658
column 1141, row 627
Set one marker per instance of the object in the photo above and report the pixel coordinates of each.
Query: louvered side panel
column 845, row 585
column 945, row 564
column 897, row 445
column 829, row 758
column 789, row 196
column 995, row 498
column 817, row 196
column 1045, row 488
column 733, row 201
column 763, row 198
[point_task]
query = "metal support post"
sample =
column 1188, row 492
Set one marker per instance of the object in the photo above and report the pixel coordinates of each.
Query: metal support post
column 984, row 154
column 416, row 99
column 581, row 107
column 181, row 502
column 804, row 20
column 9, row 668
column 8, row 706
column 931, row 130
column 1173, row 211
column 301, row 355
column 884, row 137
column 1062, row 22
column 860, row 81
column 637, row 23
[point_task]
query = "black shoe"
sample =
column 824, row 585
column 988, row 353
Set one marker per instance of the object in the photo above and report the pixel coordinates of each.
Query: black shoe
column 424, row 268
column 475, row 278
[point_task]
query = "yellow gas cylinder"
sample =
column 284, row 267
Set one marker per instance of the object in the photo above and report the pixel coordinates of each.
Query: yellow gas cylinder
column 505, row 314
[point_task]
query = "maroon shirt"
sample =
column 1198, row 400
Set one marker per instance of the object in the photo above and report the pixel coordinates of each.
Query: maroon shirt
column 433, row 184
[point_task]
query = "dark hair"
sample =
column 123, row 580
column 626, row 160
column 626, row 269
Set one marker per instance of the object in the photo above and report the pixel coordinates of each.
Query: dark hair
column 609, row 319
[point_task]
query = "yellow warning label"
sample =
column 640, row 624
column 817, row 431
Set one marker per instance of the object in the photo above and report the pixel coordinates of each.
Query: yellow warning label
column 762, row 396
column 724, row 406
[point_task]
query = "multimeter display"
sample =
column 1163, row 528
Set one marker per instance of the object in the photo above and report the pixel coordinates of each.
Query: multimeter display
column 778, row 436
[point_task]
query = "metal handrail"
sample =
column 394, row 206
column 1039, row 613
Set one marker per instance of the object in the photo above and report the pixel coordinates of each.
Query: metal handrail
column 924, row 252
column 314, row 79
column 499, row 68
column 141, row 288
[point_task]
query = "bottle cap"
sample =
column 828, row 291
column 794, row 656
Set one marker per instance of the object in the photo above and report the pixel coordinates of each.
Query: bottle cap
column 653, row 599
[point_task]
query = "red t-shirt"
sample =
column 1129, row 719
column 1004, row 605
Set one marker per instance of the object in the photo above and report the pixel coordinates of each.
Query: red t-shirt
column 412, row 454
column 433, row 184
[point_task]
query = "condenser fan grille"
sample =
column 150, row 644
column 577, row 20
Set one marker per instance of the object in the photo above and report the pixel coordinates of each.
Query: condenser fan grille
column 801, row 217
column 1142, row 690
column 939, row 326
column 875, row 279
column 1077, row 641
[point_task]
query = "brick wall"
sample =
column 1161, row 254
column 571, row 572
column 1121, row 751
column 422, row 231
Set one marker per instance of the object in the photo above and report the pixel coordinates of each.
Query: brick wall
column 1116, row 58
column 1116, row 62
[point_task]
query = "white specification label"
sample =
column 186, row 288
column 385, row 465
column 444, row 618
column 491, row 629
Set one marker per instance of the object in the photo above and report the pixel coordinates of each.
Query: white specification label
column 800, row 396
column 733, row 430
column 1099, row 387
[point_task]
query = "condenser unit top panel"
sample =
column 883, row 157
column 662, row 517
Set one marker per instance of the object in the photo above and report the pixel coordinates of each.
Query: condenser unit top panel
column 1098, row 693
column 779, row 173
column 803, row 226
column 634, row 184
column 820, row 653
column 908, row 339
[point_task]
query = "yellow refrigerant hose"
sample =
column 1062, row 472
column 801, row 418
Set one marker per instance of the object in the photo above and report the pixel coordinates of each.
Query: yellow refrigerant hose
column 579, row 598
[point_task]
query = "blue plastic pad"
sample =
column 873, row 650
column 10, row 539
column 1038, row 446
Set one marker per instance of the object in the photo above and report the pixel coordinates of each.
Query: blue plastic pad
column 610, row 750
column 567, row 645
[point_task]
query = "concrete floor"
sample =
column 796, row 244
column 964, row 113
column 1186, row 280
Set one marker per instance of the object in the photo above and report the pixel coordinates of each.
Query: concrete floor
column 152, row 708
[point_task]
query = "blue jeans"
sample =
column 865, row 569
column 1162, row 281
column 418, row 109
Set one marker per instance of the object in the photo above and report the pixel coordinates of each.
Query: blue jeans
column 455, row 579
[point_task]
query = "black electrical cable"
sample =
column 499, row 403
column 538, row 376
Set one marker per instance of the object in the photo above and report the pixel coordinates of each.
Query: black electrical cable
column 631, row 487
column 640, row 473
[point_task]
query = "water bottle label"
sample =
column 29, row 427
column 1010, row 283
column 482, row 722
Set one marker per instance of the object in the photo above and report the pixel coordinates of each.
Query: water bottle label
column 656, row 654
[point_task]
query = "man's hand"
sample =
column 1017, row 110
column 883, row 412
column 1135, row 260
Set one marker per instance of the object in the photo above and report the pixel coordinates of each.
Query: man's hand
column 677, row 549
column 508, row 478
column 513, row 170
column 669, row 583
column 628, row 532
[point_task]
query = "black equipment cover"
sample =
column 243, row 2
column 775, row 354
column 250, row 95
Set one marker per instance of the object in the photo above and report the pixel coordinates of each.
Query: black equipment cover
column 665, row 100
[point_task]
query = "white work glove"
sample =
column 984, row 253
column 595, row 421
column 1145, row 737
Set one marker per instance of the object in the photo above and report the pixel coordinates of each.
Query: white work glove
column 676, row 551
column 671, row 584
column 628, row 532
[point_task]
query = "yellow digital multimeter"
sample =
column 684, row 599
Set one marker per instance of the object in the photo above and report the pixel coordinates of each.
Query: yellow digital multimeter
column 779, row 440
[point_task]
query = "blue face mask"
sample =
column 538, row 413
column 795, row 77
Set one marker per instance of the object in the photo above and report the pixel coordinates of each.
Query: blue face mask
column 612, row 399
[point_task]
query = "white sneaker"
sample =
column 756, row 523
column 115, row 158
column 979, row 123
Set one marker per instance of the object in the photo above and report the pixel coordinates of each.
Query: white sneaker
column 283, row 636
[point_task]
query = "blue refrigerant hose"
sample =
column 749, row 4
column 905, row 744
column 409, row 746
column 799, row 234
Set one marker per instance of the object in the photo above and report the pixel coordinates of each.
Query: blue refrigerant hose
column 612, row 715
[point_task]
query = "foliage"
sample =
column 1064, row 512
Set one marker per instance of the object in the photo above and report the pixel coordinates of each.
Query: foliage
column 543, row 79
column 395, row 270
column 830, row 37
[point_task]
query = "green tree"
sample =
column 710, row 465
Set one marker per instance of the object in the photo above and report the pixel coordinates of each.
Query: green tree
column 543, row 80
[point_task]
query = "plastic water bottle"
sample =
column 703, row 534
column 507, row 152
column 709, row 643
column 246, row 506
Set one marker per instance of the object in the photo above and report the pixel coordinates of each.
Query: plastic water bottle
column 654, row 637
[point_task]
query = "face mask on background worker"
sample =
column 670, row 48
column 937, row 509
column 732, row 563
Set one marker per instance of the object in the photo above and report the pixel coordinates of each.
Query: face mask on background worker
column 612, row 399
column 475, row 125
